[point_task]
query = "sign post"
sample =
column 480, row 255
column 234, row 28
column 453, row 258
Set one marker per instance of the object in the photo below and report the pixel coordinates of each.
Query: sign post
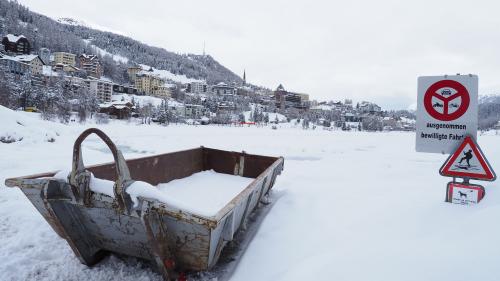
column 447, row 117
column 447, row 111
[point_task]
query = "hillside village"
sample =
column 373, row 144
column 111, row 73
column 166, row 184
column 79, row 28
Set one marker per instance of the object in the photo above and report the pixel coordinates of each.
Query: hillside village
column 153, row 95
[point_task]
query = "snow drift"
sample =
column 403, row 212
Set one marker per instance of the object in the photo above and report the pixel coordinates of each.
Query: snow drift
column 28, row 127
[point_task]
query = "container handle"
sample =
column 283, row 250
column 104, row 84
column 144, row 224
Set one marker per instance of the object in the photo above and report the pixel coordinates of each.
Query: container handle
column 122, row 172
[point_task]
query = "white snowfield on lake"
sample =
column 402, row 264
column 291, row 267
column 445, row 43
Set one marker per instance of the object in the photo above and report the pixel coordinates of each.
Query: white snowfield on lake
column 349, row 205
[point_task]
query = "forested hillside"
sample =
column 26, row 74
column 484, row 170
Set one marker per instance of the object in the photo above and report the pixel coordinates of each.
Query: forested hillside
column 43, row 31
column 489, row 111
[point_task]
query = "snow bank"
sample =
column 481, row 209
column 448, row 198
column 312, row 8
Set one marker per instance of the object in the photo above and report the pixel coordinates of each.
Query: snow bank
column 27, row 127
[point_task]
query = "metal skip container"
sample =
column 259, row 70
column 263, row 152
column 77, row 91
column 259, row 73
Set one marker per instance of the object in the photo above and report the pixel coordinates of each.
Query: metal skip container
column 175, row 240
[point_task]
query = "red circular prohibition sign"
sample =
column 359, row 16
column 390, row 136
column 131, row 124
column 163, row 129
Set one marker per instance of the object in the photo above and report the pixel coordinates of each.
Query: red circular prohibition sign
column 445, row 115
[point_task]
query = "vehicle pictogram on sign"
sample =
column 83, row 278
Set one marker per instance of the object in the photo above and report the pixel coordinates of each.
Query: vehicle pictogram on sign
column 468, row 161
column 446, row 100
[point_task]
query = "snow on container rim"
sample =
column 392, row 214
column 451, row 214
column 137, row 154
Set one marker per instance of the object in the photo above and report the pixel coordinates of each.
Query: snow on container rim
column 203, row 193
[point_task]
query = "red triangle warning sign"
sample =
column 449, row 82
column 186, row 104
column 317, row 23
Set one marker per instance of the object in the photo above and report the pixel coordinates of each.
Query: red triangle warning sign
column 468, row 161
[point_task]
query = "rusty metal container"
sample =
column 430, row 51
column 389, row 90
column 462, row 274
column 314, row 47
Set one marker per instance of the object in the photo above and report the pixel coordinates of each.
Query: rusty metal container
column 175, row 240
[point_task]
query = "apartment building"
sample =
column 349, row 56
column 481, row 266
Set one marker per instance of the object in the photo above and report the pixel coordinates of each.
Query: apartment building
column 197, row 87
column 147, row 83
column 224, row 89
column 132, row 72
column 103, row 89
column 91, row 64
column 64, row 58
column 35, row 62
column 162, row 91
column 285, row 99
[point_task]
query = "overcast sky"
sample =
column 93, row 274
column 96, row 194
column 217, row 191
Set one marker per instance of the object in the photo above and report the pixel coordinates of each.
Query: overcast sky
column 364, row 50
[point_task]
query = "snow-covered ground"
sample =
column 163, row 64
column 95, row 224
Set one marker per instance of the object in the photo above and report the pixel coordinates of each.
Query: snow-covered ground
column 143, row 100
column 169, row 76
column 352, row 205
column 273, row 117
column 102, row 52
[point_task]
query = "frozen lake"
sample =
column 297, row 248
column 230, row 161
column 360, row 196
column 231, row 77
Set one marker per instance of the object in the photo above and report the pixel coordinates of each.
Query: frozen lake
column 350, row 206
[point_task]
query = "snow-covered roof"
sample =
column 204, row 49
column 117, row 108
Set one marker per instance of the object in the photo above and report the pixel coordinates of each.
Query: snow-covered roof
column 14, row 38
column 91, row 57
column 148, row 73
column 27, row 58
column 47, row 71
column 117, row 105
column 106, row 79
column 16, row 59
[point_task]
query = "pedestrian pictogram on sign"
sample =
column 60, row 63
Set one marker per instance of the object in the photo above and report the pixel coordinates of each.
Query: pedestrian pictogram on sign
column 446, row 100
column 469, row 162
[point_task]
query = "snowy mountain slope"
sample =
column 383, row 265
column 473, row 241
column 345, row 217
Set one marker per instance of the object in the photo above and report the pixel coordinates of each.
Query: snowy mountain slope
column 169, row 76
column 350, row 206
column 102, row 52
column 68, row 35
column 70, row 21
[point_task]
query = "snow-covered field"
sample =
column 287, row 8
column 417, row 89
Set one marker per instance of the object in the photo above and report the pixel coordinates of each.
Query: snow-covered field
column 352, row 205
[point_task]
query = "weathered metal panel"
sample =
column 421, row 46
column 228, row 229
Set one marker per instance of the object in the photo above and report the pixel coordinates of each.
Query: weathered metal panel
column 156, row 169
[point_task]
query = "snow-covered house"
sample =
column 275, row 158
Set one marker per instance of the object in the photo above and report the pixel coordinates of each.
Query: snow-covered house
column 66, row 68
column 162, row 91
column 368, row 107
column 35, row 62
column 117, row 109
column 17, row 44
column 223, row 89
column 193, row 111
column 15, row 65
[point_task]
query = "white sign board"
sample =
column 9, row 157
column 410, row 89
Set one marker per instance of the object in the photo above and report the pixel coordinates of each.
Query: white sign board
column 446, row 112
column 464, row 196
